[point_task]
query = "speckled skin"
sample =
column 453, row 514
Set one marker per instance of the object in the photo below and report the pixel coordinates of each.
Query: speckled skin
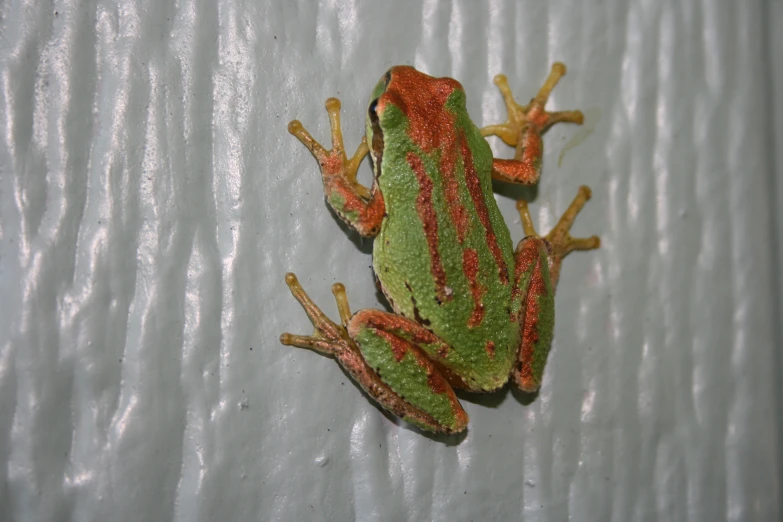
column 470, row 310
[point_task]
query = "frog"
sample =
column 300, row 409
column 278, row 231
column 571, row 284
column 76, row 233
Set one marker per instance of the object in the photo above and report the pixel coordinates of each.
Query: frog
column 469, row 310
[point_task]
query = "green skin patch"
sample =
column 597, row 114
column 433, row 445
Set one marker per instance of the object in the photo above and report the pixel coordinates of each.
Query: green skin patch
column 470, row 311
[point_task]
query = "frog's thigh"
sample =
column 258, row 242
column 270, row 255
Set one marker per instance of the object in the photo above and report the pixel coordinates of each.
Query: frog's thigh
column 537, row 318
column 394, row 347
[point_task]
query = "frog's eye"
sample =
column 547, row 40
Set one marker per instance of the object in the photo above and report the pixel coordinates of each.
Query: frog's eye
column 372, row 110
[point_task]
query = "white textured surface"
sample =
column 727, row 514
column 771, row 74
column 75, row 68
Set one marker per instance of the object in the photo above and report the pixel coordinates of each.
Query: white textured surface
column 151, row 202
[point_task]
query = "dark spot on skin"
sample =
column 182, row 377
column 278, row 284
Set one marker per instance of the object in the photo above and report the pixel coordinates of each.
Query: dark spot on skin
column 416, row 315
column 490, row 348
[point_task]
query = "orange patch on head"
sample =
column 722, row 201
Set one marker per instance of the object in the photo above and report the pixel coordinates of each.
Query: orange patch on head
column 422, row 98
column 431, row 127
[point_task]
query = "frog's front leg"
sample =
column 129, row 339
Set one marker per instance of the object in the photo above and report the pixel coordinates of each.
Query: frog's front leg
column 361, row 208
column 524, row 129
column 386, row 355
column 538, row 261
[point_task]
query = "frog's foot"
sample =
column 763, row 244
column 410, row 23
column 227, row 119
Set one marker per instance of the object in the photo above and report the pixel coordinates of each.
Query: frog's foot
column 524, row 128
column 417, row 392
column 329, row 338
column 360, row 207
column 559, row 241
column 334, row 162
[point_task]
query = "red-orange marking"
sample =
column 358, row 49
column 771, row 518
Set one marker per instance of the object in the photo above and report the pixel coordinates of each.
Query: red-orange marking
column 435, row 380
column 426, row 212
column 474, row 188
column 398, row 346
column 370, row 213
column 533, row 150
column 470, row 267
column 457, row 211
column 536, row 289
column 397, row 324
column 422, row 97
column 525, row 256
column 490, row 348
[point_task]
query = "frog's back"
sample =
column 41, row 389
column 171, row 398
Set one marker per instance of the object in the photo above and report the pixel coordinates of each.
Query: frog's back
column 444, row 255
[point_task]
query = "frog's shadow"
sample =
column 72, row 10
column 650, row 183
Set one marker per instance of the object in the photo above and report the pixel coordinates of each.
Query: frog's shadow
column 515, row 192
column 495, row 399
column 362, row 244
column 490, row 400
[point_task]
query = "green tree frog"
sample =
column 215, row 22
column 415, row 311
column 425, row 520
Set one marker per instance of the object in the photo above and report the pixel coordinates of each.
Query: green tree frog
column 470, row 310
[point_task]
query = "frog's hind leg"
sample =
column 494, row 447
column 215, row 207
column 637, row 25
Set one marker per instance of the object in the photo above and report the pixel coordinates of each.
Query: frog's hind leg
column 524, row 129
column 536, row 318
column 393, row 370
column 538, row 261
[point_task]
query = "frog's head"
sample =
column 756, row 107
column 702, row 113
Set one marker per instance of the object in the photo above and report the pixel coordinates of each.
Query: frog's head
column 409, row 105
